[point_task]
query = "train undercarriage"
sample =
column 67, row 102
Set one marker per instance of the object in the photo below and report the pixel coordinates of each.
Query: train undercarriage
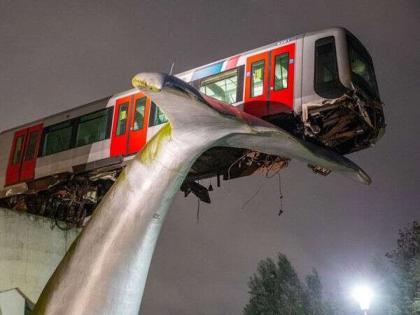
column 70, row 199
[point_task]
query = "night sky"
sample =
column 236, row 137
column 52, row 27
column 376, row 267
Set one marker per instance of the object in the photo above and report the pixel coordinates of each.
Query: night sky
column 55, row 55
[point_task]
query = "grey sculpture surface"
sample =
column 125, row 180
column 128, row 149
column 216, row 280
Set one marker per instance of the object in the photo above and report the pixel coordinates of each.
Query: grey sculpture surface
column 106, row 268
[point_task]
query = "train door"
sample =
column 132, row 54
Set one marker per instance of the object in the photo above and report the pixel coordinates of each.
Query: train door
column 23, row 155
column 27, row 172
column 129, row 130
column 138, row 123
column 282, row 61
column 256, row 85
column 119, row 136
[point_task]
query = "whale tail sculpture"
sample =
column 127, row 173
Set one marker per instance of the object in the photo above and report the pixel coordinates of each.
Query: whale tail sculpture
column 105, row 270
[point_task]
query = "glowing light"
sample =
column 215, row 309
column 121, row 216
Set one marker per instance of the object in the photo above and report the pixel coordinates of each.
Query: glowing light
column 363, row 295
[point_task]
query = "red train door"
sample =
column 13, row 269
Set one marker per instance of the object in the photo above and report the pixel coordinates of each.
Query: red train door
column 33, row 139
column 119, row 136
column 129, row 129
column 138, row 123
column 282, row 79
column 15, row 158
column 256, row 85
column 23, row 155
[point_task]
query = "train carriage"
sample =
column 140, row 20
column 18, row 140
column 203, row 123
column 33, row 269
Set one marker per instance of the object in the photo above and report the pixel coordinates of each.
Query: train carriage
column 319, row 86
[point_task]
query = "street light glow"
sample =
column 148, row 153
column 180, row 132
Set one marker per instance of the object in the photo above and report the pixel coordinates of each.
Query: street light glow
column 363, row 295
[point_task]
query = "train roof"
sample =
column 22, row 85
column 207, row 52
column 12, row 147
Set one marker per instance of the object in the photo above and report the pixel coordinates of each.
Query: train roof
column 262, row 48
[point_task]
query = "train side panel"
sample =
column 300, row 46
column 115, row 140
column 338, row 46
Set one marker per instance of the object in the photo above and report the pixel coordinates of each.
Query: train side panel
column 64, row 161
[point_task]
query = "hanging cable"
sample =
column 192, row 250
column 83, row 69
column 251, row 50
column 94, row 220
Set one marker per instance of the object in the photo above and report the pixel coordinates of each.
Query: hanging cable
column 252, row 197
column 198, row 210
column 281, row 210
column 236, row 161
column 198, row 207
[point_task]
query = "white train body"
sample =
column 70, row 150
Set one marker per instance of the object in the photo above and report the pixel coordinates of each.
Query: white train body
column 319, row 86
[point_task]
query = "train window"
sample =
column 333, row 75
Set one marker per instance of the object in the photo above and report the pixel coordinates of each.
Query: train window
column 327, row 83
column 157, row 117
column 139, row 113
column 92, row 127
column 57, row 138
column 257, row 78
column 17, row 155
column 122, row 119
column 361, row 66
column 281, row 71
column 31, row 148
column 222, row 87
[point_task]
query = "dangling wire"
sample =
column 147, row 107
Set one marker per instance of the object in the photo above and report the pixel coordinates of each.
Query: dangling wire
column 198, row 207
column 252, row 197
column 281, row 210
column 236, row 161
column 198, row 210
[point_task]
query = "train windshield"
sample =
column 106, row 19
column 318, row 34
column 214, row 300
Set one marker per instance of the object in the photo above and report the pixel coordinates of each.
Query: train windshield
column 363, row 74
column 327, row 82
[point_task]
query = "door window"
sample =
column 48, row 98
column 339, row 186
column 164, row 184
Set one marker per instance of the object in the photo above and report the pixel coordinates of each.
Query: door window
column 257, row 78
column 138, row 120
column 31, row 147
column 17, row 156
column 281, row 71
column 122, row 119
